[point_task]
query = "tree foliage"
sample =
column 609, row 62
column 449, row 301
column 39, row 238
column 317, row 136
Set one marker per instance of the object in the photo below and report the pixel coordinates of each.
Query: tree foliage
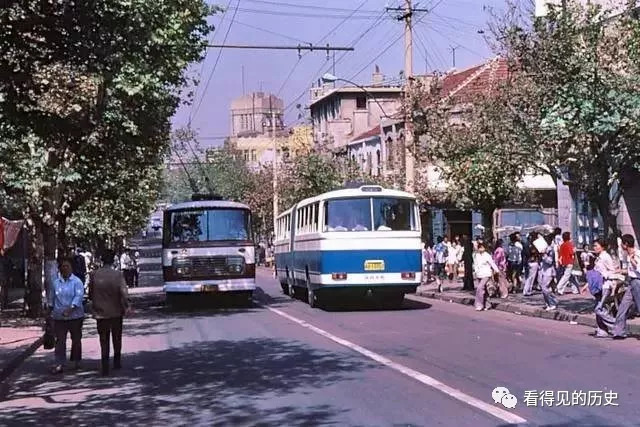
column 87, row 90
column 576, row 104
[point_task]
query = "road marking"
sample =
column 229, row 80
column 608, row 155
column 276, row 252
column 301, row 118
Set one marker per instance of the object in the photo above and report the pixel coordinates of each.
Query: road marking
column 418, row 376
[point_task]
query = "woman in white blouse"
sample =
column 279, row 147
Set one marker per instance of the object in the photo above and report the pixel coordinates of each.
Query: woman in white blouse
column 609, row 269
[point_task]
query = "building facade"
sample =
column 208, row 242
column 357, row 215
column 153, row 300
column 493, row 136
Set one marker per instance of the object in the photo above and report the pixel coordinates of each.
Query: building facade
column 251, row 114
column 338, row 115
column 257, row 150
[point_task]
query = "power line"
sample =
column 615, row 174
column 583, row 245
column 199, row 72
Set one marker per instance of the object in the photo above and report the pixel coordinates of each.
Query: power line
column 304, row 15
column 321, row 40
column 424, row 53
column 442, row 34
column 456, row 20
column 307, row 6
column 352, row 44
column 286, row 80
column 215, row 65
column 206, row 54
column 272, row 32
column 385, row 50
column 342, row 22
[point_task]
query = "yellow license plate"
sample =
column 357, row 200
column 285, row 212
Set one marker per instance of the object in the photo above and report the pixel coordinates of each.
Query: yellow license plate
column 374, row 265
column 209, row 288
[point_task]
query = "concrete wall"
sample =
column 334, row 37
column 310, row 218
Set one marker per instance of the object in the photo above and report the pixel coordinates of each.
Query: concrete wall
column 365, row 154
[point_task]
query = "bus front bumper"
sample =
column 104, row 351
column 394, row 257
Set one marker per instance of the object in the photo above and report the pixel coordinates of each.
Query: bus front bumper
column 224, row 285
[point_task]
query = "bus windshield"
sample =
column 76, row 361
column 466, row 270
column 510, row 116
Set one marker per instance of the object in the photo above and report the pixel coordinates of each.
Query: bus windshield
column 208, row 225
column 367, row 214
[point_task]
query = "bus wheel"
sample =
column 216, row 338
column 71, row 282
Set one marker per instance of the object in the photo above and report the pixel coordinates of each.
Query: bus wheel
column 285, row 288
column 292, row 289
column 311, row 297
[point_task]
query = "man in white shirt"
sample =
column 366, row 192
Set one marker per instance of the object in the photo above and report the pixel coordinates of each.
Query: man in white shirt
column 484, row 268
column 128, row 267
column 632, row 294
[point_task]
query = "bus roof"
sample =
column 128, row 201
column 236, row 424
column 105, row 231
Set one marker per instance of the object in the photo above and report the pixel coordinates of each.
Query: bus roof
column 203, row 204
column 365, row 190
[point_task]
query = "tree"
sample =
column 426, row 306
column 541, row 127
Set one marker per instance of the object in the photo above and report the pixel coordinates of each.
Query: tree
column 86, row 94
column 468, row 140
column 311, row 174
column 101, row 220
column 578, row 94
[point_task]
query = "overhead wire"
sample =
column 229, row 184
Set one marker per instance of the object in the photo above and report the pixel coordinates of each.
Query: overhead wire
column 306, row 6
column 206, row 54
column 322, row 66
column 304, row 15
column 215, row 65
column 384, row 50
column 264, row 30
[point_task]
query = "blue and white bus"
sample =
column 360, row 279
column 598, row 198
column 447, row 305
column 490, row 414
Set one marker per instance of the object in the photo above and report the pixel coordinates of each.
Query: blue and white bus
column 363, row 241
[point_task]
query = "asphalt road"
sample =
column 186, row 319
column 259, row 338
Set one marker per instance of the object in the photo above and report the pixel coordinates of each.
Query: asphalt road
column 283, row 363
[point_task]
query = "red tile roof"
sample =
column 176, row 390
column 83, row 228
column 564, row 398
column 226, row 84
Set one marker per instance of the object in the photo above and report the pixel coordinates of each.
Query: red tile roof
column 481, row 78
column 374, row 131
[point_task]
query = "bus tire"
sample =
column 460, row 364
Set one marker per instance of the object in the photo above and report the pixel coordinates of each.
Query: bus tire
column 292, row 288
column 285, row 288
column 311, row 297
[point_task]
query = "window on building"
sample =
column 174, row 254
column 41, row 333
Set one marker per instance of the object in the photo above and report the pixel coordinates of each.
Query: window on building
column 245, row 155
column 378, row 163
column 369, row 168
column 254, row 156
column 361, row 102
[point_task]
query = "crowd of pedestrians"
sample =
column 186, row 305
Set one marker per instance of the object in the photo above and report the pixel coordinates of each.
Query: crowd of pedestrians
column 550, row 264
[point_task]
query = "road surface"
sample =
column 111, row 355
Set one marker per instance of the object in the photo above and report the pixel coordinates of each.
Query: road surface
column 281, row 363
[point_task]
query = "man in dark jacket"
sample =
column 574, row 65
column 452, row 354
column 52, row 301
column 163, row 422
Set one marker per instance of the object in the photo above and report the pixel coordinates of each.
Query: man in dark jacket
column 109, row 295
column 79, row 266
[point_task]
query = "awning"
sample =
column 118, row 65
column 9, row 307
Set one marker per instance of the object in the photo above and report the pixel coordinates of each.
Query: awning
column 11, row 231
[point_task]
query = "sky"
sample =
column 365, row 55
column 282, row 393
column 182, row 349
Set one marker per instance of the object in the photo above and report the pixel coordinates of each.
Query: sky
column 375, row 34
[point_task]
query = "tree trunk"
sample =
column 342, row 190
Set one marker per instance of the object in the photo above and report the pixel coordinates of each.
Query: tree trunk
column 50, row 246
column 33, row 294
column 63, row 238
column 608, row 207
column 487, row 223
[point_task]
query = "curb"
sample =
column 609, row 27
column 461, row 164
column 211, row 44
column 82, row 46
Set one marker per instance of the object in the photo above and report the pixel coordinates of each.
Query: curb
column 523, row 310
column 17, row 360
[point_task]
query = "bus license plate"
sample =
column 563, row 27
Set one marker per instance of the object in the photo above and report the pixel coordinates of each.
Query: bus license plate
column 209, row 288
column 374, row 265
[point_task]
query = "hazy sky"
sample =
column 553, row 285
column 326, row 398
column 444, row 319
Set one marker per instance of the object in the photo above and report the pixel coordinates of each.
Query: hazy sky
column 291, row 22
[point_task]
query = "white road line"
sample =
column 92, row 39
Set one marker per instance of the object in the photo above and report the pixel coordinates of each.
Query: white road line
column 418, row 376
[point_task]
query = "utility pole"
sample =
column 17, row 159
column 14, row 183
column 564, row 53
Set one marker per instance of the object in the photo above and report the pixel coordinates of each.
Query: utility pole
column 453, row 52
column 407, row 15
column 408, row 72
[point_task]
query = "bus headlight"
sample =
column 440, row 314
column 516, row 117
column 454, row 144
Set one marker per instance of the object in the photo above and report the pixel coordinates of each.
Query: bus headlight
column 235, row 265
column 182, row 266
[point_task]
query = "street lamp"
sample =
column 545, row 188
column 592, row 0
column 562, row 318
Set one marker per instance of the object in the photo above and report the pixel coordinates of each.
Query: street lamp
column 330, row 78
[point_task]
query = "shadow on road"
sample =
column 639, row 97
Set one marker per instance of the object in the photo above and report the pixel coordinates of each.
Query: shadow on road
column 337, row 305
column 248, row 382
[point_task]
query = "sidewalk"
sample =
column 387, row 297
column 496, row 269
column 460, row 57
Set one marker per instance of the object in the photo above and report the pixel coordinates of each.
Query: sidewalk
column 20, row 337
column 571, row 308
